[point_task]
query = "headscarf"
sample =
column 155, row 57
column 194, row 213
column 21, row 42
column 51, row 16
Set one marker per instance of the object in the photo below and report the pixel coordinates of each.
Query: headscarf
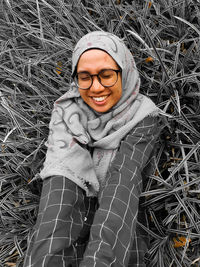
column 76, row 129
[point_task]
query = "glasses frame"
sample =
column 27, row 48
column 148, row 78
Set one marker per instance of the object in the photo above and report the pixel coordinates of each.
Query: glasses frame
column 75, row 78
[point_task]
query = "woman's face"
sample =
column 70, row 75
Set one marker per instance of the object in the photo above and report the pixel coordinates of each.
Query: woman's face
column 98, row 97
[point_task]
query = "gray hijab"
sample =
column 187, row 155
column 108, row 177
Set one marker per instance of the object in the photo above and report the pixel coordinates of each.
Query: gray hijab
column 116, row 48
column 75, row 128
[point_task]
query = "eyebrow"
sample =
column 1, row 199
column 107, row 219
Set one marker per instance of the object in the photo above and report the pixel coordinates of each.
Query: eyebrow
column 82, row 71
column 88, row 71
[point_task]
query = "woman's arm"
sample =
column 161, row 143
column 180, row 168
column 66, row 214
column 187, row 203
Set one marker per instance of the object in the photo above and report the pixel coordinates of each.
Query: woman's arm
column 59, row 222
column 114, row 227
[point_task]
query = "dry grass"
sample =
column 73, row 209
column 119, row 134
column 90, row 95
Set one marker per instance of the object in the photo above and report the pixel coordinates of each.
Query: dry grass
column 37, row 38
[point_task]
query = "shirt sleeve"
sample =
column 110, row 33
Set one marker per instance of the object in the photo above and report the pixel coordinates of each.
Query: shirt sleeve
column 59, row 223
column 113, row 232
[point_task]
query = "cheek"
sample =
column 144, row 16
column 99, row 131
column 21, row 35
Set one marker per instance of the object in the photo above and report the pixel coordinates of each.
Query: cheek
column 82, row 93
column 119, row 90
column 119, row 94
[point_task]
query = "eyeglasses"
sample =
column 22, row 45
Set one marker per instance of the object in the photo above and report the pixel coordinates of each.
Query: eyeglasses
column 107, row 78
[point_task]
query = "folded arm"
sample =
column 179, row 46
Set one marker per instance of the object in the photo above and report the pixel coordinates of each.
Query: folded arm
column 59, row 223
column 114, row 226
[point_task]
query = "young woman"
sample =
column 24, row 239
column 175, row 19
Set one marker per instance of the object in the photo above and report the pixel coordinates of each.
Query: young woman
column 101, row 139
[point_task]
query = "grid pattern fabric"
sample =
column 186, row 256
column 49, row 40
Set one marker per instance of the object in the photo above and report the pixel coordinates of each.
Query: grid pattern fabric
column 69, row 224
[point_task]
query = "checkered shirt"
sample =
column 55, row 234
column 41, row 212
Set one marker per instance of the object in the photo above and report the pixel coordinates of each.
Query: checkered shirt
column 73, row 230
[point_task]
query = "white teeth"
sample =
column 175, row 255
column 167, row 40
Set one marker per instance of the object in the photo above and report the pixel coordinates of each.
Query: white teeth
column 99, row 98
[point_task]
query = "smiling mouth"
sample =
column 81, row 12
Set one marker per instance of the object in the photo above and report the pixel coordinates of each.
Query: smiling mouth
column 100, row 98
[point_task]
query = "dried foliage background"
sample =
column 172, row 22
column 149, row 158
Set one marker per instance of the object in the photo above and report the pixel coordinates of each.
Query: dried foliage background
column 37, row 39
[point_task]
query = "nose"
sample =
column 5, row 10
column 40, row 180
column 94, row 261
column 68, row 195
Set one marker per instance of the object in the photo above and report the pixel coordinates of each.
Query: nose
column 96, row 85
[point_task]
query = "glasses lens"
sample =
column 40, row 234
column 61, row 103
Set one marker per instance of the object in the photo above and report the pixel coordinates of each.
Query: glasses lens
column 108, row 77
column 84, row 80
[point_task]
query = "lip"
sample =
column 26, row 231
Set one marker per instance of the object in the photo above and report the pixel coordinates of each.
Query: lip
column 99, row 103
